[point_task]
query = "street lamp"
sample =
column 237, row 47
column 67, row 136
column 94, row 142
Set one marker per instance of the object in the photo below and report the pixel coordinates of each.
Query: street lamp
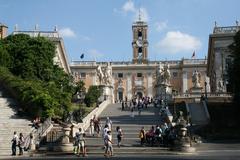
column 205, row 84
column 165, row 98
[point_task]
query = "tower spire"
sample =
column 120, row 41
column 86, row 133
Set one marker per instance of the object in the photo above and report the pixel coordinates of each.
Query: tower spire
column 139, row 14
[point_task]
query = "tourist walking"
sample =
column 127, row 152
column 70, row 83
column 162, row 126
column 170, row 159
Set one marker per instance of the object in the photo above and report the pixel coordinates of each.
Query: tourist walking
column 142, row 136
column 132, row 113
column 14, row 143
column 108, row 144
column 122, row 106
column 21, row 143
column 119, row 136
column 81, row 142
column 109, row 123
column 91, row 128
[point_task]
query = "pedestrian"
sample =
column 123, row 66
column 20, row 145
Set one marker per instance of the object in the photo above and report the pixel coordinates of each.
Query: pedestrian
column 14, row 143
column 132, row 113
column 30, row 147
column 91, row 128
column 142, row 135
column 81, row 142
column 108, row 144
column 119, row 135
column 109, row 123
column 21, row 143
column 122, row 106
column 76, row 143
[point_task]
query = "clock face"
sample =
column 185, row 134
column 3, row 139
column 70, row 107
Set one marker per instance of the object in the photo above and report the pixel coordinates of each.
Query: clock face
column 139, row 43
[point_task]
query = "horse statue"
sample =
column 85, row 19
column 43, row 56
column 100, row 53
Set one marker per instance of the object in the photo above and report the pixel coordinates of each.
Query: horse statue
column 100, row 74
column 108, row 75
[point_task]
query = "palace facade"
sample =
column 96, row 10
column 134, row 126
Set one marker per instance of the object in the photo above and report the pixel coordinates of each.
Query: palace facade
column 219, row 56
column 139, row 76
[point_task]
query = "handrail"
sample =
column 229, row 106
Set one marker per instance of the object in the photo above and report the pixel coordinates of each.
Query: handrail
column 43, row 130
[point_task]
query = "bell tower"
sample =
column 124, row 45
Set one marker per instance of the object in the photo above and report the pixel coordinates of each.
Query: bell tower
column 140, row 42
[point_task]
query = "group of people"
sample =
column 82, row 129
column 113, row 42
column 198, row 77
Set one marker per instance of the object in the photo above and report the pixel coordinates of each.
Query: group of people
column 138, row 103
column 23, row 144
column 79, row 143
column 163, row 135
column 95, row 125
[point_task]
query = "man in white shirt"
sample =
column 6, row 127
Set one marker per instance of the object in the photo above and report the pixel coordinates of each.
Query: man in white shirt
column 108, row 143
column 14, row 143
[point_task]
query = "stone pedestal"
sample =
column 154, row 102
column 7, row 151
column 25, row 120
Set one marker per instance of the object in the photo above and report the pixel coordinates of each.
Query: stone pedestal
column 107, row 93
column 64, row 145
column 164, row 91
column 196, row 90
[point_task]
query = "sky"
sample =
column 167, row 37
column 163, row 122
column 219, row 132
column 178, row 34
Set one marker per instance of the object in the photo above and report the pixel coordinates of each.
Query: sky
column 102, row 29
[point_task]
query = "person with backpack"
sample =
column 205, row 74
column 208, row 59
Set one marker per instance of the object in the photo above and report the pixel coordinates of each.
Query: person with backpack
column 14, row 143
column 119, row 135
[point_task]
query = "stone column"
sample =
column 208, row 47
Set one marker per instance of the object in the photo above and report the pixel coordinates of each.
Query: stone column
column 185, row 81
column 129, row 86
column 149, row 85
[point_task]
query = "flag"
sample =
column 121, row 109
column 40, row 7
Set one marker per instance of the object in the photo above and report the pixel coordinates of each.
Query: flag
column 82, row 56
column 193, row 55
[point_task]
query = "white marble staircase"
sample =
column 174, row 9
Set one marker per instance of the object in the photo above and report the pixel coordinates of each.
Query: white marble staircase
column 10, row 122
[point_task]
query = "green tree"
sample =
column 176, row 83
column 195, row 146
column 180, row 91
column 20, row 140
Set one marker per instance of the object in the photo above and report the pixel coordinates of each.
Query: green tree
column 32, row 58
column 94, row 92
column 42, row 87
column 79, row 87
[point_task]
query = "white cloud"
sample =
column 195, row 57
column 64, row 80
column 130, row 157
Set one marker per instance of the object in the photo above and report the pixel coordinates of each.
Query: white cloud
column 85, row 38
column 93, row 53
column 176, row 41
column 160, row 26
column 67, row 32
column 129, row 6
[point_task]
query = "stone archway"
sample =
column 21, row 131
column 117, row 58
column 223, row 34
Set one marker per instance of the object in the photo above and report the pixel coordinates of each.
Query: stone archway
column 139, row 94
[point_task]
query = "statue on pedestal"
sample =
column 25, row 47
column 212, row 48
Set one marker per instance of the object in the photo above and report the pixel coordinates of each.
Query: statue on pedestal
column 196, row 79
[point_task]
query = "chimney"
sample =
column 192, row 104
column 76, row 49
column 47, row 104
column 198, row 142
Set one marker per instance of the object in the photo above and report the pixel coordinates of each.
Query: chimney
column 3, row 31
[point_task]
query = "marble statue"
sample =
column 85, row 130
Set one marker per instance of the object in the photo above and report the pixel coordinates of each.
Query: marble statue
column 108, row 75
column 196, row 79
column 166, row 74
column 220, row 85
column 163, row 74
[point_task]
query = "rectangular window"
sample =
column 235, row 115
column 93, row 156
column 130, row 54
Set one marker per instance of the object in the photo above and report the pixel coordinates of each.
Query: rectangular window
column 83, row 75
column 120, row 75
column 139, row 75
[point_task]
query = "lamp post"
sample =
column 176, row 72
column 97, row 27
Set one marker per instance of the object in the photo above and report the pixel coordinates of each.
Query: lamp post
column 174, row 103
column 205, row 84
column 165, row 98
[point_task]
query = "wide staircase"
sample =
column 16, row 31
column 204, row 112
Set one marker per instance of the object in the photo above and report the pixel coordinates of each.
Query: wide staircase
column 10, row 122
column 130, row 127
